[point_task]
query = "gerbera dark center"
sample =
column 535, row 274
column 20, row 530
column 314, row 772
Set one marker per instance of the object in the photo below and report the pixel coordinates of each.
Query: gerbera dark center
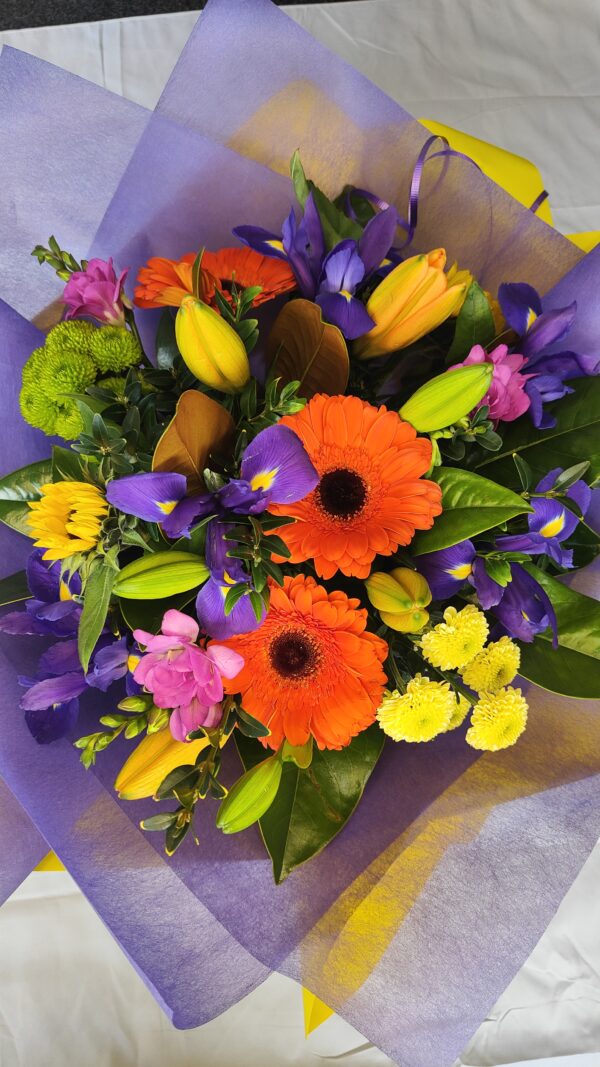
column 293, row 655
column 341, row 493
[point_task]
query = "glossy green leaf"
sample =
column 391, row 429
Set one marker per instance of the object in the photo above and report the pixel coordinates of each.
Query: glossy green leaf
column 575, row 437
column 14, row 589
column 474, row 324
column 66, row 465
column 471, row 505
column 17, row 488
column 313, row 805
column 148, row 614
column 95, row 609
column 574, row 668
column 167, row 351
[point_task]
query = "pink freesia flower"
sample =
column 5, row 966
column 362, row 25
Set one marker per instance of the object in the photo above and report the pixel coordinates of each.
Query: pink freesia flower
column 506, row 397
column 96, row 292
column 182, row 676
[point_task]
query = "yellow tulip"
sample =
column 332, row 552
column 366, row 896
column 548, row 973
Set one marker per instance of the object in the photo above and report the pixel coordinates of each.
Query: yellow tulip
column 413, row 299
column 210, row 346
column 400, row 597
column 152, row 760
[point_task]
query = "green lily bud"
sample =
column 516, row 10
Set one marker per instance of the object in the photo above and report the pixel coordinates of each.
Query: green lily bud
column 159, row 575
column 400, row 597
column 251, row 796
column 444, row 400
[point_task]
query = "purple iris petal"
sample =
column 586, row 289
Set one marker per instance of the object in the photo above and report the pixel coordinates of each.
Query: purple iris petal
column 346, row 312
column 517, row 301
column 448, row 569
column 525, row 609
column 216, row 549
column 60, row 658
column 489, row 592
column 146, row 495
column 295, row 243
column 343, row 269
column 311, row 230
column 54, row 691
column 186, row 514
column 50, row 724
column 377, row 238
column 239, row 496
column 260, row 240
column 543, row 389
column 549, row 328
column 210, row 609
column 109, row 664
column 43, row 580
column 277, row 462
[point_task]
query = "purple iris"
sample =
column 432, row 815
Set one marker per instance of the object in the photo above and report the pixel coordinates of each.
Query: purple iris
column 540, row 331
column 51, row 611
column 522, row 606
column 275, row 469
column 551, row 522
column 224, row 573
column 525, row 609
column 330, row 279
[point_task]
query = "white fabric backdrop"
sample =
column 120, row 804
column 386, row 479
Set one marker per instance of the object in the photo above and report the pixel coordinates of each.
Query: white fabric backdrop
column 524, row 74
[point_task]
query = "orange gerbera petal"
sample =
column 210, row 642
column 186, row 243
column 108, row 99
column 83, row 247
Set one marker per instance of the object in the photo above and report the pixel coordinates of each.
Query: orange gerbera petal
column 165, row 282
column 371, row 497
column 312, row 669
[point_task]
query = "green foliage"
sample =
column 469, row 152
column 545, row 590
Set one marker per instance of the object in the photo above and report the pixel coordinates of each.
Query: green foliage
column 313, row 804
column 96, row 602
column 474, row 324
column 17, row 488
column 63, row 263
column 471, row 504
column 14, row 589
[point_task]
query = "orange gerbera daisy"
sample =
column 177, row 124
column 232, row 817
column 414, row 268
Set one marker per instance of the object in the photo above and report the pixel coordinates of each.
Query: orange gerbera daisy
column 312, row 668
column 164, row 282
column 371, row 497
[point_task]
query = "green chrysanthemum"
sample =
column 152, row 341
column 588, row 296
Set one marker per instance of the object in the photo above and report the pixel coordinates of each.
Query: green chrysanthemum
column 36, row 409
column 114, row 384
column 70, row 338
column 114, row 349
column 66, row 372
column 33, row 367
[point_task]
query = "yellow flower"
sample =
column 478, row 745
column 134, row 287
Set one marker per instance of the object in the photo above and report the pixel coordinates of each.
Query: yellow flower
column 413, row 299
column 494, row 667
column 400, row 598
column 456, row 641
column 460, row 710
column 67, row 519
column 152, row 760
column 458, row 276
column 423, row 712
column 498, row 720
column 210, row 346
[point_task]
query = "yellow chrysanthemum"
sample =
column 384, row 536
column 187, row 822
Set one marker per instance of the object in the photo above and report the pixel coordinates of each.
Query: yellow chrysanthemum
column 494, row 667
column 456, row 641
column 498, row 720
column 460, row 709
column 67, row 519
column 423, row 712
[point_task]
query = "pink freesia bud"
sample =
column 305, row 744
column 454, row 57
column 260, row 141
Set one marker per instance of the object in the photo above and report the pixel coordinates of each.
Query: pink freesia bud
column 506, row 397
column 182, row 676
column 97, row 292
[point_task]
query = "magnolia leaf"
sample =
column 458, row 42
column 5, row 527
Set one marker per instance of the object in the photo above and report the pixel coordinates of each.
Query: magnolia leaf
column 199, row 427
column 303, row 348
column 14, row 589
column 471, row 504
column 66, row 465
column 313, row 804
column 575, row 437
column 17, row 488
column 574, row 668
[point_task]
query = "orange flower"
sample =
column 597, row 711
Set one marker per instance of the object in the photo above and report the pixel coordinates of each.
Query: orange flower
column 371, row 497
column 165, row 282
column 312, row 667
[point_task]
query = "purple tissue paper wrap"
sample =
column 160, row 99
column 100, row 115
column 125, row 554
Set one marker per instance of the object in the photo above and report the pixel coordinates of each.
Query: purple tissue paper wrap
column 419, row 913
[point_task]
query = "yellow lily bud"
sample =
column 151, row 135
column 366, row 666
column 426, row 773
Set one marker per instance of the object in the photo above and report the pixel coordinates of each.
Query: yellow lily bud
column 445, row 399
column 457, row 276
column 413, row 299
column 152, row 760
column 400, row 597
column 210, row 346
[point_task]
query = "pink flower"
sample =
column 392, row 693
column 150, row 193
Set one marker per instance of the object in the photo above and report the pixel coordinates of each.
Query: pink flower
column 182, row 676
column 96, row 292
column 506, row 397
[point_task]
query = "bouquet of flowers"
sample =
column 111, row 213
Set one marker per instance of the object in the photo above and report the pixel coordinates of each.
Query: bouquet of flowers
column 333, row 527
column 312, row 508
